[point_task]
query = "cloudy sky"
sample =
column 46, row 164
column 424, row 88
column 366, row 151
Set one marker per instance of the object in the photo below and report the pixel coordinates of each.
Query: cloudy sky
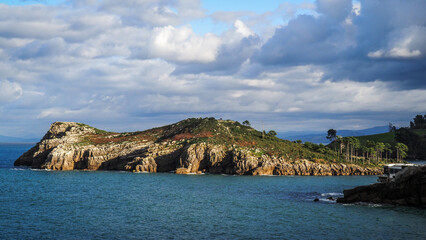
column 135, row 64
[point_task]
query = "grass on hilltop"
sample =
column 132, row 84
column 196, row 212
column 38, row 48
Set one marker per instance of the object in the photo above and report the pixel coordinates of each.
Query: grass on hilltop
column 388, row 137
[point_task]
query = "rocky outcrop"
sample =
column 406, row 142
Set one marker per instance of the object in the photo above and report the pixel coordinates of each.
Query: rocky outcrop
column 408, row 188
column 66, row 147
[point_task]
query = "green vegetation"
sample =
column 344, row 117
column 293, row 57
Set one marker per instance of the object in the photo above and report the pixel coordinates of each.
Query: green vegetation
column 97, row 131
column 235, row 135
column 230, row 134
column 373, row 150
column 388, row 137
column 331, row 134
column 367, row 150
column 246, row 123
column 419, row 122
column 415, row 139
column 394, row 145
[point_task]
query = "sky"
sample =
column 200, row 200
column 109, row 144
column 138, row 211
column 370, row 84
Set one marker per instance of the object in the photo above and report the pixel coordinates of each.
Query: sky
column 132, row 65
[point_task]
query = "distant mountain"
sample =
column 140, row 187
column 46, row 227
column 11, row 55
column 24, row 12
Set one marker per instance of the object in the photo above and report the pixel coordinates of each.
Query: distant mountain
column 7, row 139
column 320, row 136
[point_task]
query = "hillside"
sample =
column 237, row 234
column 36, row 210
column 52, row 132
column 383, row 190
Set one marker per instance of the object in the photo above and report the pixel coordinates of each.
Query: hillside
column 388, row 137
column 193, row 145
column 384, row 147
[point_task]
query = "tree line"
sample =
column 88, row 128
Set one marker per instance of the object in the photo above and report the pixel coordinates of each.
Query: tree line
column 351, row 149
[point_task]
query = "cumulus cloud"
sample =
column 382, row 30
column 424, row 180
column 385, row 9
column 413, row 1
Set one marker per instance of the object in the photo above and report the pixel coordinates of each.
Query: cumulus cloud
column 141, row 62
column 335, row 9
column 236, row 47
column 9, row 91
column 380, row 41
column 154, row 12
column 36, row 49
column 404, row 43
column 182, row 44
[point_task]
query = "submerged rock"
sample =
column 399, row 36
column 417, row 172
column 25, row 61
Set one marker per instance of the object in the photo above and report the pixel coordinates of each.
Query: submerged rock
column 408, row 188
column 69, row 146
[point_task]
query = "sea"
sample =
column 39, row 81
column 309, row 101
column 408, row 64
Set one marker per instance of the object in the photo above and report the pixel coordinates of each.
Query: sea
column 39, row 204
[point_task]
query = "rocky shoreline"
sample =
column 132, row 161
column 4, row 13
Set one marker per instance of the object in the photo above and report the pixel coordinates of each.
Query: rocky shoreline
column 64, row 148
column 408, row 188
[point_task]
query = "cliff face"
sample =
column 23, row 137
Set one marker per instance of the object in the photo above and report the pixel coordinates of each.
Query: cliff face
column 69, row 146
column 408, row 188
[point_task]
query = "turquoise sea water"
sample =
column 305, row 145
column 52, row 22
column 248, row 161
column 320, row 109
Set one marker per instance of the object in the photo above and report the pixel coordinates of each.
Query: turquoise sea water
column 120, row 205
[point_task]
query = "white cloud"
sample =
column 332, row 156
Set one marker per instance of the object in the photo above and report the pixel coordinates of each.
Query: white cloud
column 9, row 91
column 113, row 61
column 403, row 43
column 154, row 12
column 336, row 9
column 242, row 29
column 182, row 45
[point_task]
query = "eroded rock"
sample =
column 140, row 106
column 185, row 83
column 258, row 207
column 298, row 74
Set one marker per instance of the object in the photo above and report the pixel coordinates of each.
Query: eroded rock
column 65, row 147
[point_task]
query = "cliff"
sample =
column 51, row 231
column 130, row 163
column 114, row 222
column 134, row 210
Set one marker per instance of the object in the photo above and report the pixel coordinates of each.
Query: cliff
column 408, row 188
column 189, row 146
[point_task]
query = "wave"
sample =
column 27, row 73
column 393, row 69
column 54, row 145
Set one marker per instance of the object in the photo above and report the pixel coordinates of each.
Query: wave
column 19, row 169
column 332, row 194
column 44, row 170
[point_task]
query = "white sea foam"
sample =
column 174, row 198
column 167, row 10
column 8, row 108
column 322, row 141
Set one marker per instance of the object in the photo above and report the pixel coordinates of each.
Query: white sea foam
column 19, row 169
column 327, row 200
column 332, row 194
column 43, row 170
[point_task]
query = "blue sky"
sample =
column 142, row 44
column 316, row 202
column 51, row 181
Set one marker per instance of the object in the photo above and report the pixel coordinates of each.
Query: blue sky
column 131, row 65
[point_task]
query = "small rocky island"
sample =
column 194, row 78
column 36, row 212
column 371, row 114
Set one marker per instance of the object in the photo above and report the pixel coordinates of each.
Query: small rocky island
column 408, row 188
column 190, row 146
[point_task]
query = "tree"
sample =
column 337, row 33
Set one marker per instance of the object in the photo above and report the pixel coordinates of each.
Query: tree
column 401, row 151
column 272, row 133
column 346, row 141
column 372, row 152
column 356, row 144
column 419, row 122
column 364, row 151
column 331, row 135
column 380, row 147
column 388, row 151
column 246, row 123
column 392, row 128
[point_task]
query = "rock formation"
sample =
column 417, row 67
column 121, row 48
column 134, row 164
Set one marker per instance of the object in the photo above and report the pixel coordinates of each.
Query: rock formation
column 408, row 188
column 69, row 146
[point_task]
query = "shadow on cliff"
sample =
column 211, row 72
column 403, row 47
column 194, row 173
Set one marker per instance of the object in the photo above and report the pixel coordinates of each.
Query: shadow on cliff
column 163, row 163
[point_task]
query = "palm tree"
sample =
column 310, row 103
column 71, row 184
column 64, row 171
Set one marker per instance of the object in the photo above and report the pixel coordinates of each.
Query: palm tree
column 380, row 147
column 388, row 151
column 401, row 151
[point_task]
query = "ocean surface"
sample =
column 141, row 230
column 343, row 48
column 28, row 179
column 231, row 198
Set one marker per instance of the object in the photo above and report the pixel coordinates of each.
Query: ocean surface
column 37, row 204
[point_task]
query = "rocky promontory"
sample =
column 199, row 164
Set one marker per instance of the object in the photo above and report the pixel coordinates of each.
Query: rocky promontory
column 187, row 147
column 408, row 188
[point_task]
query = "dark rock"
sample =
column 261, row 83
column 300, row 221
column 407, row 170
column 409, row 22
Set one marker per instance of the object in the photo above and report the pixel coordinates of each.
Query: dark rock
column 408, row 188
column 316, row 200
